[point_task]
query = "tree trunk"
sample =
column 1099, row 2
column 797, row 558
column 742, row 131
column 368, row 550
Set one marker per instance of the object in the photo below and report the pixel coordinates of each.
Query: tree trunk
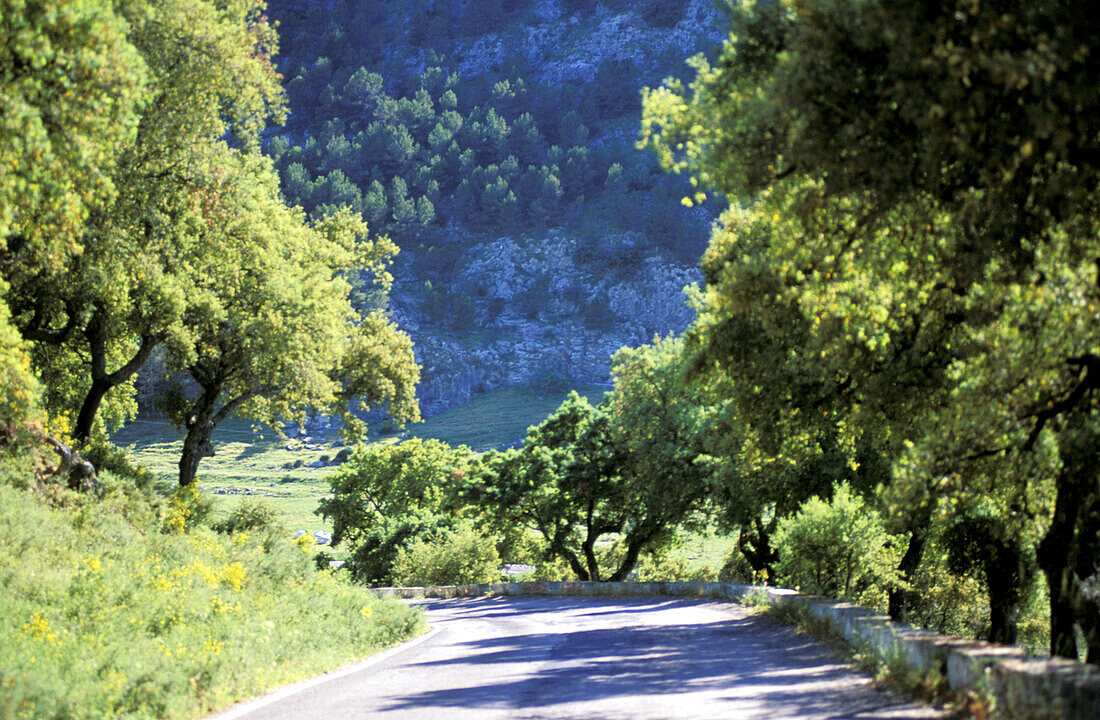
column 588, row 547
column 81, row 475
column 90, row 408
column 1087, row 571
column 754, row 542
column 633, row 550
column 1006, row 577
column 196, row 446
column 102, row 381
column 576, row 565
column 901, row 599
column 1063, row 552
column 200, row 428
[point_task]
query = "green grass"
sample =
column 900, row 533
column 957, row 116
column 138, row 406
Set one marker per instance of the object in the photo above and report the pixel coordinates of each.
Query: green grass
column 244, row 459
column 108, row 614
column 699, row 550
column 497, row 417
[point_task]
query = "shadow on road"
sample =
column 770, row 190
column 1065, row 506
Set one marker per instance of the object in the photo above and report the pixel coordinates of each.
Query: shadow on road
column 745, row 658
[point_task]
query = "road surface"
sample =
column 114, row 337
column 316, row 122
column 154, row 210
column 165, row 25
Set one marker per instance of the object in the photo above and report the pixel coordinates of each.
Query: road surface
column 527, row 658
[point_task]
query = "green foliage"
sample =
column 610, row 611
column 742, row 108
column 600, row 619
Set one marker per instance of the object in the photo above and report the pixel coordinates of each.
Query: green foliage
column 274, row 331
column 98, row 311
column 104, row 620
column 72, row 89
column 664, row 567
column 19, row 388
column 138, row 217
column 389, row 496
column 838, row 548
column 627, row 469
column 459, row 557
column 251, row 516
column 923, row 292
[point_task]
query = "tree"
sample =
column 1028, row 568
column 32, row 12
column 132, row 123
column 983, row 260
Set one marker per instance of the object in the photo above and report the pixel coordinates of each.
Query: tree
column 274, row 330
column 562, row 483
column 915, row 223
column 389, row 496
column 71, row 91
column 96, row 319
column 629, row 469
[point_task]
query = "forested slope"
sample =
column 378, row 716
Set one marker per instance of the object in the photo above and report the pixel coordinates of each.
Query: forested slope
column 494, row 142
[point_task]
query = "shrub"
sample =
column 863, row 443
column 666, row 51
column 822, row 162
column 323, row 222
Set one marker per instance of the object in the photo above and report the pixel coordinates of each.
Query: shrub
column 250, row 515
column 736, row 568
column 461, row 557
column 658, row 567
column 388, row 496
column 837, row 548
column 105, row 455
column 186, row 510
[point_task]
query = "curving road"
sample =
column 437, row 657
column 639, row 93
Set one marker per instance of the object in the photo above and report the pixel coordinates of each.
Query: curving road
column 600, row 658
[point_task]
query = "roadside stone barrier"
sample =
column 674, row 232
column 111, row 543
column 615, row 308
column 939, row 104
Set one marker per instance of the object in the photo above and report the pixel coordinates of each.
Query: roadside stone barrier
column 1020, row 686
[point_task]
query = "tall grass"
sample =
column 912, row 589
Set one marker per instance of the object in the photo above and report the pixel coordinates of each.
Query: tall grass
column 108, row 615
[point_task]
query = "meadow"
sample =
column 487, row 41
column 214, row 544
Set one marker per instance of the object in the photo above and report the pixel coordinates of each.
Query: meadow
column 253, row 461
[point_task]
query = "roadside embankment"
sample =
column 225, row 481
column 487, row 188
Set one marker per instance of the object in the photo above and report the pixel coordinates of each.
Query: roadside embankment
column 1019, row 685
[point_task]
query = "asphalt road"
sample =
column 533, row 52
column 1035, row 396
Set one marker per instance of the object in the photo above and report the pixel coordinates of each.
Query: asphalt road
column 594, row 658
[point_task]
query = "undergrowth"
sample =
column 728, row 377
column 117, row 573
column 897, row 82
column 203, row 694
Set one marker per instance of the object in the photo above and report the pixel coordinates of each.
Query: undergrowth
column 122, row 608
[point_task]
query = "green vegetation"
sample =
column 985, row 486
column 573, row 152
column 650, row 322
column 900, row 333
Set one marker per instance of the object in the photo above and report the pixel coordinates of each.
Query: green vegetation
column 593, row 487
column 889, row 391
column 460, row 557
column 243, row 459
column 112, row 610
column 905, row 281
column 421, row 152
column 495, row 418
column 164, row 232
column 838, row 549
column 388, row 496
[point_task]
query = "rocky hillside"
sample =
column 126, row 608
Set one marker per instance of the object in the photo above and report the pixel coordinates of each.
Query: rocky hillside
column 494, row 141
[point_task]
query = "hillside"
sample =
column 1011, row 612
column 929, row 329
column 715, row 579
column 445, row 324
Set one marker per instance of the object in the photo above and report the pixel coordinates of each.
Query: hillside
column 494, row 142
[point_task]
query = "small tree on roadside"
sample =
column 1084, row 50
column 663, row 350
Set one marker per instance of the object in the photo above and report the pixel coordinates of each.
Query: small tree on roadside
column 837, row 548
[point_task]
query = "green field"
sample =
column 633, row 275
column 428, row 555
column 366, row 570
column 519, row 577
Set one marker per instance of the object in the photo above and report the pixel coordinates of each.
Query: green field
column 255, row 459
column 498, row 417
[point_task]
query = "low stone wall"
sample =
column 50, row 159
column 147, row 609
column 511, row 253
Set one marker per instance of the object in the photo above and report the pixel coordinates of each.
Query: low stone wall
column 1022, row 687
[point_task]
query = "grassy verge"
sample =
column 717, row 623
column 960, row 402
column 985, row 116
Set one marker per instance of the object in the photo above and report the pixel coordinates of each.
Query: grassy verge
column 107, row 613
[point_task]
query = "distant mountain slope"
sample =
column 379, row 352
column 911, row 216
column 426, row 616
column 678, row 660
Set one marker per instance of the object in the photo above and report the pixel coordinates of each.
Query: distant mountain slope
column 494, row 141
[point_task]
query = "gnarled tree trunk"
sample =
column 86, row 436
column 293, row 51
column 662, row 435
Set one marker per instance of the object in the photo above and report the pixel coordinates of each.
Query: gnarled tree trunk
column 1069, row 553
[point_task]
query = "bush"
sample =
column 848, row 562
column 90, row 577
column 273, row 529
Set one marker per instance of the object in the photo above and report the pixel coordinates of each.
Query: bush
column 660, row 567
column 838, row 549
column 461, row 557
column 736, row 569
column 105, row 455
column 186, row 510
column 253, row 516
column 388, row 496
